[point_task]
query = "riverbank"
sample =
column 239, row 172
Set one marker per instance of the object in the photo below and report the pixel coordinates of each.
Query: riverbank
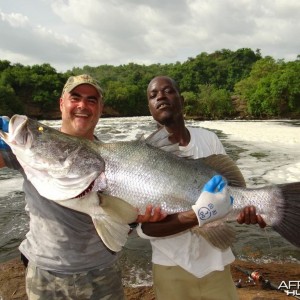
column 12, row 285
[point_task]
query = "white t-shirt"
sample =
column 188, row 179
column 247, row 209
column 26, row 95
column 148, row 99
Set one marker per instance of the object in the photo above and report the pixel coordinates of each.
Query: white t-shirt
column 187, row 249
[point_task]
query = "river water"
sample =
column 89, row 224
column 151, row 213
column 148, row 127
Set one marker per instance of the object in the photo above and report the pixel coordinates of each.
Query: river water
column 266, row 152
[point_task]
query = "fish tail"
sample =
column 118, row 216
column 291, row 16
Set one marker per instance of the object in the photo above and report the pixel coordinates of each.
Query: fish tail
column 288, row 210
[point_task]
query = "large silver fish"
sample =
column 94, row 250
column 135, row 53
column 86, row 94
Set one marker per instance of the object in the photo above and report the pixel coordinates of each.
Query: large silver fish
column 142, row 172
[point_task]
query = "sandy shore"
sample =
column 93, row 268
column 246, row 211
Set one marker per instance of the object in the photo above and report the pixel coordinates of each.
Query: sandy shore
column 12, row 285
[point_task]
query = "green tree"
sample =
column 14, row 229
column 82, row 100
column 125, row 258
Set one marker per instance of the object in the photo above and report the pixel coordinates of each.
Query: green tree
column 4, row 64
column 285, row 88
column 127, row 99
column 253, row 89
column 272, row 89
column 190, row 103
column 262, row 86
column 9, row 103
column 38, row 86
column 214, row 103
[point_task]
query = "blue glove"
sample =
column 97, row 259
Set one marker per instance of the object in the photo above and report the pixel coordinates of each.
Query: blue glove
column 214, row 202
column 4, row 121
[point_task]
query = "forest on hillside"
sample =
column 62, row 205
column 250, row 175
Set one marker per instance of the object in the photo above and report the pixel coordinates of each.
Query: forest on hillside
column 223, row 84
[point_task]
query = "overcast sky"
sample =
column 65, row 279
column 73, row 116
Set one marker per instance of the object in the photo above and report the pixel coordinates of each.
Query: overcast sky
column 74, row 33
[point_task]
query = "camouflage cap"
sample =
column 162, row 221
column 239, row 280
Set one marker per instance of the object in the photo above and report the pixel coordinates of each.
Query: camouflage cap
column 74, row 81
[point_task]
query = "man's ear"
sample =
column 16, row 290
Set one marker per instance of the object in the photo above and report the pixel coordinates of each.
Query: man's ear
column 60, row 103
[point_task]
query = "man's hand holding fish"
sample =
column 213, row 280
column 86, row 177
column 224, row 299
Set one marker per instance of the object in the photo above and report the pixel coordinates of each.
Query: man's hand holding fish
column 4, row 122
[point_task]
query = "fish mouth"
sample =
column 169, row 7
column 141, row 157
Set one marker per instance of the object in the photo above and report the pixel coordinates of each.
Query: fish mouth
column 19, row 132
column 162, row 105
column 86, row 191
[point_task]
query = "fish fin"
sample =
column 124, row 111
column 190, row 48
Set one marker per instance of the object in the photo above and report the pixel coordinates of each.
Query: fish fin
column 118, row 209
column 219, row 234
column 112, row 226
column 111, row 220
column 226, row 167
column 113, row 234
column 288, row 210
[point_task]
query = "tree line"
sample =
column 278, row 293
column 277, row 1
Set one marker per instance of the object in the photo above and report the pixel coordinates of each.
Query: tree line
column 222, row 84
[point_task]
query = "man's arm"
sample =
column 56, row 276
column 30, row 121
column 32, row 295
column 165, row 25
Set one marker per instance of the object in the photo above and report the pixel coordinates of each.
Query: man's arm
column 213, row 203
column 171, row 224
column 179, row 222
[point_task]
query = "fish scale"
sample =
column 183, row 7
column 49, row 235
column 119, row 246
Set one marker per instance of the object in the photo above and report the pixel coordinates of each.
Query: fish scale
column 133, row 173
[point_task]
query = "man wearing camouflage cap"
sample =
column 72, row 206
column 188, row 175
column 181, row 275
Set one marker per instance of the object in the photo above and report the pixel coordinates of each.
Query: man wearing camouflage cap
column 67, row 258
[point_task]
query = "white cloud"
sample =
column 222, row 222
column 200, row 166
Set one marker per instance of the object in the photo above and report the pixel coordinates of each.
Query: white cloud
column 70, row 33
column 14, row 19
